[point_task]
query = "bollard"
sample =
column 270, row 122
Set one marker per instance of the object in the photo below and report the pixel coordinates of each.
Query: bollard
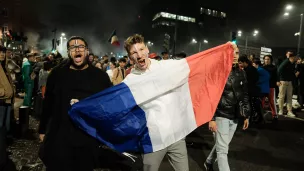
column 24, row 119
column 3, row 154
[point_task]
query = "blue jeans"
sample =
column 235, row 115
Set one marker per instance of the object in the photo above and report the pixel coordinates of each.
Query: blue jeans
column 5, row 117
column 223, row 136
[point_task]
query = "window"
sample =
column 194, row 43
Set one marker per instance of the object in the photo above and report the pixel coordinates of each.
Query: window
column 172, row 16
column 209, row 11
column 162, row 14
column 202, row 11
column 214, row 13
column 156, row 16
column 5, row 12
column 186, row 19
column 223, row 15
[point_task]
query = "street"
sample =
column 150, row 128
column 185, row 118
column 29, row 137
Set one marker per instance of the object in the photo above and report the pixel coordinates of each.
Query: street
column 270, row 147
column 266, row 147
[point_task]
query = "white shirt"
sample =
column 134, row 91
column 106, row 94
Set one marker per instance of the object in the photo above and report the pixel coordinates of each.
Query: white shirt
column 110, row 73
column 164, row 107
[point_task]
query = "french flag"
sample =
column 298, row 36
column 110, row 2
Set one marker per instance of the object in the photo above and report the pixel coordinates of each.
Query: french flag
column 150, row 111
column 114, row 39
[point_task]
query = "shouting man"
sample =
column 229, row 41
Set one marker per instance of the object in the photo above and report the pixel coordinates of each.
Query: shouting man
column 177, row 152
column 65, row 146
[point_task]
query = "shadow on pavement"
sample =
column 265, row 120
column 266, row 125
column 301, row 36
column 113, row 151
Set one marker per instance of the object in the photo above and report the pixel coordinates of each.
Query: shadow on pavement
column 266, row 158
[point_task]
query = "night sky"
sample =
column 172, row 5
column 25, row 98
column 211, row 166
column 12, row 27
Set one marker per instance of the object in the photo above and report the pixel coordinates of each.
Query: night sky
column 96, row 19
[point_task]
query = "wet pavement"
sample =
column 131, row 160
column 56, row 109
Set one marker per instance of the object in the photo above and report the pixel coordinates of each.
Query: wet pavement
column 277, row 146
column 23, row 152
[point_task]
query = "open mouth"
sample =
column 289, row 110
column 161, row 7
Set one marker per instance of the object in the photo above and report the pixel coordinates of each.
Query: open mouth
column 141, row 61
column 78, row 58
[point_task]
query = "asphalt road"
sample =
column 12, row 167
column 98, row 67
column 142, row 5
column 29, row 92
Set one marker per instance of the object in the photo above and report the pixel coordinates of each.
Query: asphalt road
column 277, row 146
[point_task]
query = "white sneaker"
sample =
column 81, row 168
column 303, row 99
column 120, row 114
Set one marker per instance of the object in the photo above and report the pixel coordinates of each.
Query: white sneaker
column 280, row 112
column 290, row 114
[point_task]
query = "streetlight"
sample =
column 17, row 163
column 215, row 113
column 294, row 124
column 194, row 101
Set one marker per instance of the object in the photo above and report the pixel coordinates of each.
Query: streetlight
column 194, row 41
column 288, row 7
column 286, row 14
column 200, row 43
column 247, row 35
column 300, row 34
column 62, row 37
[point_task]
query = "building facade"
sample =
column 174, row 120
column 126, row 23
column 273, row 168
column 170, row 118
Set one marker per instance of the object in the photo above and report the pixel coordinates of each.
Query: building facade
column 206, row 26
column 10, row 16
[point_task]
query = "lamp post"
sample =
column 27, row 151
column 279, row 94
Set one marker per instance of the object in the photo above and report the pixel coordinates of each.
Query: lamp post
column 255, row 33
column 200, row 44
column 194, row 41
column 62, row 37
column 300, row 34
column 288, row 8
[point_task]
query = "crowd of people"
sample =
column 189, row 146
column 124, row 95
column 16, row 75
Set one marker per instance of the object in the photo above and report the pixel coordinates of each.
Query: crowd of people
column 47, row 87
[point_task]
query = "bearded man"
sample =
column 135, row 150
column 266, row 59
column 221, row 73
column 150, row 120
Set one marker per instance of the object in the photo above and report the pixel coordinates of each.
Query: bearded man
column 65, row 146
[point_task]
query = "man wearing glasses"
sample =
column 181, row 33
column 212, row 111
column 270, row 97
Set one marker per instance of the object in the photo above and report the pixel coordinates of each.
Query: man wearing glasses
column 65, row 146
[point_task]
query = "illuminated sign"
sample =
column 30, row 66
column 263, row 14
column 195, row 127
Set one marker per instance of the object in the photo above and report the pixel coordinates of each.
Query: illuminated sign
column 173, row 16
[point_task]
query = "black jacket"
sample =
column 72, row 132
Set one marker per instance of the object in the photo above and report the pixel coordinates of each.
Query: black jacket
column 286, row 71
column 300, row 68
column 235, row 93
column 63, row 140
column 252, row 79
column 273, row 75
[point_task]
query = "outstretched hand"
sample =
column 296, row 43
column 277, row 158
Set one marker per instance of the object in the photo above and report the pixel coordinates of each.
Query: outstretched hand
column 73, row 101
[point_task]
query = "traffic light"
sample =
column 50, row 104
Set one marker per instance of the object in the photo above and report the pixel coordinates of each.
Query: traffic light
column 233, row 37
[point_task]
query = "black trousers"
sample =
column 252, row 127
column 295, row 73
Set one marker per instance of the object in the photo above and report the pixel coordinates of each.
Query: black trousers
column 90, row 158
column 256, row 108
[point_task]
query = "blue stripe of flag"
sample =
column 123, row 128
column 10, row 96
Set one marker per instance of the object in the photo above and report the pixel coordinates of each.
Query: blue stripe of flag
column 113, row 117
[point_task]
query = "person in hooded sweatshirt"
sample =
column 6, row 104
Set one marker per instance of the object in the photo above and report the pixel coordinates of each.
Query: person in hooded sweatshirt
column 272, row 70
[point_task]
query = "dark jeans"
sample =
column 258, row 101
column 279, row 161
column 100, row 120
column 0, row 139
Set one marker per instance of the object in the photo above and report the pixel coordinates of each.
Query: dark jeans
column 300, row 95
column 5, row 116
column 256, row 108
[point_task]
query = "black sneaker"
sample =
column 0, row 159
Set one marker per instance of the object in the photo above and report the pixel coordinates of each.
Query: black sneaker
column 208, row 166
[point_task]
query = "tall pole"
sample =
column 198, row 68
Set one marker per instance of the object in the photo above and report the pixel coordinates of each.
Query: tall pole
column 246, row 44
column 54, row 39
column 199, row 46
column 175, row 36
column 61, row 42
column 300, row 36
